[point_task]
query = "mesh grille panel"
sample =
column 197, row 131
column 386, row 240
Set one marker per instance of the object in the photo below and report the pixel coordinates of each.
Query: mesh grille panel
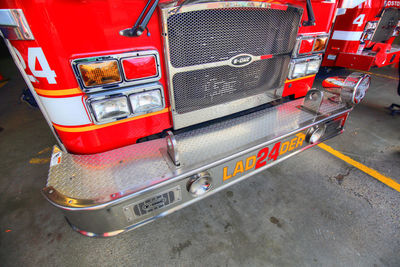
column 198, row 89
column 212, row 35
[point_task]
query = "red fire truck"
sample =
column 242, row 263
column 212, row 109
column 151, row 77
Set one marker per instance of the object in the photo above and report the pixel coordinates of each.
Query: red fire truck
column 363, row 35
column 157, row 104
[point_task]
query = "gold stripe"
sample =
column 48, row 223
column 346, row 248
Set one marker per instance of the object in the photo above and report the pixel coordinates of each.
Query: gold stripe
column 301, row 78
column 2, row 83
column 64, row 92
column 380, row 177
column 96, row 127
column 377, row 74
column 39, row 161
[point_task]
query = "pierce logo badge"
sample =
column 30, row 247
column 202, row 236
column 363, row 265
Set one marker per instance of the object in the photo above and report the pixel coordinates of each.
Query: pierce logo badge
column 241, row 60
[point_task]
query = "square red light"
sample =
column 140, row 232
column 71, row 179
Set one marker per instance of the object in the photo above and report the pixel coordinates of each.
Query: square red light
column 136, row 68
column 306, row 46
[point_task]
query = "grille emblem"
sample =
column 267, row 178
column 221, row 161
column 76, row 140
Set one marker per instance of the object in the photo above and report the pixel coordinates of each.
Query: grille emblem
column 241, row 60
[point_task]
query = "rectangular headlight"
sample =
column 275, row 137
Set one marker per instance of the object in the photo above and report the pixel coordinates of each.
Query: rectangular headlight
column 99, row 73
column 313, row 67
column 110, row 108
column 146, row 101
column 298, row 70
column 304, row 66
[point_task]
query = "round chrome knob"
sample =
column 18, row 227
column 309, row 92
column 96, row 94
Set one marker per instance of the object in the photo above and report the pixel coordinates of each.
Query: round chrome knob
column 199, row 184
column 315, row 133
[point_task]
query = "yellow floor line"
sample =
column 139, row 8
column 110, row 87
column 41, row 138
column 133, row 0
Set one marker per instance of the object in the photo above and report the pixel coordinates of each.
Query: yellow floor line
column 2, row 83
column 379, row 75
column 386, row 180
column 39, row 161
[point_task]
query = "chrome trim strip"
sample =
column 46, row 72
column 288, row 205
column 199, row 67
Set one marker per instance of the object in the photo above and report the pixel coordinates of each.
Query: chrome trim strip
column 14, row 26
column 227, row 62
column 224, row 4
column 6, row 19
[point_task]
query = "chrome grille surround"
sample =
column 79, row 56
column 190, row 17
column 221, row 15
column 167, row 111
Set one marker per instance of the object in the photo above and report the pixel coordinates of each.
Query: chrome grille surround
column 203, row 44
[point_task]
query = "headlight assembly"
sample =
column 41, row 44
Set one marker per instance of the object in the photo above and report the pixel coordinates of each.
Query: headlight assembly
column 304, row 66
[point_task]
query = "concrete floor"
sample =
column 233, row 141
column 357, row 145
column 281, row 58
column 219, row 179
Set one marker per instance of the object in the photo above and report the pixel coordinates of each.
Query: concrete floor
column 311, row 210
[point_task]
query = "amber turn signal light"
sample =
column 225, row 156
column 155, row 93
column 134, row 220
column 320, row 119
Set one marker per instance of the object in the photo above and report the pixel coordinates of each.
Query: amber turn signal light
column 99, row 73
column 320, row 43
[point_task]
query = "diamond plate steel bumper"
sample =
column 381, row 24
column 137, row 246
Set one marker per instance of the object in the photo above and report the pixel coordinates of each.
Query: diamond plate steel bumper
column 119, row 190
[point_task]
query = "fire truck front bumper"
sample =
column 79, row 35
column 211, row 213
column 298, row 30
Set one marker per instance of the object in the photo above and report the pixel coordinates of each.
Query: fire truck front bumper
column 116, row 191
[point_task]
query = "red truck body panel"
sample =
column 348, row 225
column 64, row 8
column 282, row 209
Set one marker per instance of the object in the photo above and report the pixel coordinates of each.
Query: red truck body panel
column 346, row 48
column 67, row 30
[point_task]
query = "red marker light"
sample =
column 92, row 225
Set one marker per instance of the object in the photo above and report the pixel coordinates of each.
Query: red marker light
column 139, row 67
column 306, row 46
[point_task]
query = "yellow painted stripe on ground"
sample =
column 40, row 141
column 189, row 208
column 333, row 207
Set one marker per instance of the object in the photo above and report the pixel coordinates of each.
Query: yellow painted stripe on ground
column 44, row 150
column 386, row 180
column 2, row 83
column 95, row 127
column 378, row 74
column 63, row 92
column 39, row 161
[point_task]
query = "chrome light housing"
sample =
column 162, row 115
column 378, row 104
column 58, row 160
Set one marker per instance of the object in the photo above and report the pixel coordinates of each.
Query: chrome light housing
column 350, row 90
column 355, row 87
column 146, row 101
column 109, row 72
column 301, row 67
column 126, row 102
column 110, row 108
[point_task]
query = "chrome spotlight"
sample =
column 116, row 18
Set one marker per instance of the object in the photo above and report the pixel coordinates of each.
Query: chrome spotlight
column 350, row 90
column 315, row 133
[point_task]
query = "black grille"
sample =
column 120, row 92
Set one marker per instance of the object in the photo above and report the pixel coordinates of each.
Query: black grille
column 208, row 87
column 212, row 35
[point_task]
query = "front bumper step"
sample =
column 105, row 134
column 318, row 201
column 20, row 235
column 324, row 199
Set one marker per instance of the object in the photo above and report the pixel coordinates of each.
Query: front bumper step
column 115, row 191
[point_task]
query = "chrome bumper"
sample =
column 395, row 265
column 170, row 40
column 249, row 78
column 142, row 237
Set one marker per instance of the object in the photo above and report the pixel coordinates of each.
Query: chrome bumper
column 112, row 192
